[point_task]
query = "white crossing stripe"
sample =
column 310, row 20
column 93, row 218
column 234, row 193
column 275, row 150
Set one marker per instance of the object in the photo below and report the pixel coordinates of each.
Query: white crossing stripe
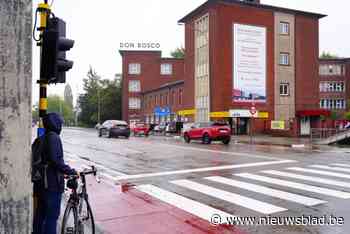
column 193, row 207
column 334, row 174
column 309, row 178
column 332, row 168
column 205, row 169
column 310, row 188
column 308, row 201
column 246, row 202
column 341, row 165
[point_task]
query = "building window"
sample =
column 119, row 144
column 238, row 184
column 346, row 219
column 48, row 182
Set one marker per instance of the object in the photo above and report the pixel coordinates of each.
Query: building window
column 180, row 97
column 134, row 103
column 284, row 59
column 337, row 104
column 284, row 28
column 331, row 70
column 134, row 69
column 166, row 69
column 329, row 86
column 134, row 86
column 284, row 89
column 173, row 102
column 166, row 99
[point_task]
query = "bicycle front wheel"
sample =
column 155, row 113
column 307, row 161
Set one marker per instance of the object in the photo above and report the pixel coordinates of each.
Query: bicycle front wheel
column 70, row 220
column 86, row 220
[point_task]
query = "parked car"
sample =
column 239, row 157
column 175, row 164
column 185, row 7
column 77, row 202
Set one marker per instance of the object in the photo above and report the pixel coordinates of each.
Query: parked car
column 140, row 129
column 114, row 128
column 171, row 128
column 97, row 126
column 159, row 128
column 208, row 132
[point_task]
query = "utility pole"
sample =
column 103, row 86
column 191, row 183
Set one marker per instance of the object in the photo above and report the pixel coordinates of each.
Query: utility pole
column 15, row 116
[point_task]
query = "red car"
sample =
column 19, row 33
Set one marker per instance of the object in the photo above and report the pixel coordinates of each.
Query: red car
column 208, row 132
column 141, row 129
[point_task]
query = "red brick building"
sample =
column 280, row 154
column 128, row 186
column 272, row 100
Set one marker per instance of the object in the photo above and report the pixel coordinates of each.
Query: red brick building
column 334, row 87
column 239, row 54
column 150, row 81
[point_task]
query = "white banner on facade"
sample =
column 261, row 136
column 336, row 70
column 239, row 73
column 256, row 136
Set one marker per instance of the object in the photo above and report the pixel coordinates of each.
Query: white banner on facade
column 242, row 114
column 249, row 63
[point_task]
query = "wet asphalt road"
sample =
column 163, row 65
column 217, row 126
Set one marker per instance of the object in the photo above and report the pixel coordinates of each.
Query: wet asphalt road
column 265, row 180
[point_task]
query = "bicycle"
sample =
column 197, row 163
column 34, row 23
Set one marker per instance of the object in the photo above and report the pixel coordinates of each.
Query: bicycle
column 78, row 217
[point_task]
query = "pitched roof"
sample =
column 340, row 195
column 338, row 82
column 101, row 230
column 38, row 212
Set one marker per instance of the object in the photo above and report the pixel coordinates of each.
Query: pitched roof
column 209, row 3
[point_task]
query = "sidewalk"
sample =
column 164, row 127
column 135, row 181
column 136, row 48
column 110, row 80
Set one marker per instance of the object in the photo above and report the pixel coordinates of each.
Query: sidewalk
column 131, row 212
column 270, row 140
column 257, row 140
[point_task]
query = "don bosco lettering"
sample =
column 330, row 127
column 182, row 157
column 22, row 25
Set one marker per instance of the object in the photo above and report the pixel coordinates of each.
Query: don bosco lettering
column 139, row 45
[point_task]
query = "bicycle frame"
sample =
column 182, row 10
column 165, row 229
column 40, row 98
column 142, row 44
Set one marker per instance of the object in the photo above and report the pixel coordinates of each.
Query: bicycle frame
column 77, row 198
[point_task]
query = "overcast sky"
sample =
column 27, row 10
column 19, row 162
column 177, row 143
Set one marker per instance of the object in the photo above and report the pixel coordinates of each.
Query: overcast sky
column 98, row 28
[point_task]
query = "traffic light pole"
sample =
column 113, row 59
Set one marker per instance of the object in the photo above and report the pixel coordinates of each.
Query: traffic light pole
column 44, row 11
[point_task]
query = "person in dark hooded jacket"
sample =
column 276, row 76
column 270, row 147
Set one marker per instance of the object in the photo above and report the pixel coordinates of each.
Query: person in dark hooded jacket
column 49, row 199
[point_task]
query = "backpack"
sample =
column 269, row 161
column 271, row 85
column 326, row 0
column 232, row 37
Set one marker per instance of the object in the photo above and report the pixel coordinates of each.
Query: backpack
column 39, row 162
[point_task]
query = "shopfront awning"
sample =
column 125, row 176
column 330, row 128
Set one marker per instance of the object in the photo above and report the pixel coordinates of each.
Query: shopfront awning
column 315, row 112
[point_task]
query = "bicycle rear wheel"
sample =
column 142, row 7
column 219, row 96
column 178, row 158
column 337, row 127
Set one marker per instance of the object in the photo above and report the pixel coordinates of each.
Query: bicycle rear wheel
column 86, row 220
column 70, row 220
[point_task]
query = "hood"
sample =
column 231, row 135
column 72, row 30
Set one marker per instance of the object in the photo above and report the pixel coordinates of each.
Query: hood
column 53, row 122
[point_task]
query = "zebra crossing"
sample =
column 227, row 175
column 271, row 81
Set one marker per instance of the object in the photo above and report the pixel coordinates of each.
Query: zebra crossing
column 308, row 186
column 302, row 186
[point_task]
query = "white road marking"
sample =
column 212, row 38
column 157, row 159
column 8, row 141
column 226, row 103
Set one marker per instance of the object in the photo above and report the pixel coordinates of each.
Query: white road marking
column 310, row 188
column 107, row 176
column 205, row 169
column 308, row 201
column 341, row 165
column 331, row 168
column 334, row 174
column 222, row 152
column 237, row 199
column 308, row 178
column 193, row 207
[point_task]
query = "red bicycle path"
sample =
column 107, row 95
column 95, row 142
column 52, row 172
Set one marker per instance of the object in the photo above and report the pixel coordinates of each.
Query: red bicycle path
column 121, row 209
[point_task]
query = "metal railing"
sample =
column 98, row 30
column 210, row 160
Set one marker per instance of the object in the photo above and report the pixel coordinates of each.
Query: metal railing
column 318, row 134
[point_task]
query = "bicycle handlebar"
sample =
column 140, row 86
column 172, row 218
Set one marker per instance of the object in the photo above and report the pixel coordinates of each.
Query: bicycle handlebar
column 93, row 171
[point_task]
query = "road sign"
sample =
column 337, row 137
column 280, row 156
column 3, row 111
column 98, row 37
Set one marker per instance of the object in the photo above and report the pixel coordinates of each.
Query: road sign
column 252, row 110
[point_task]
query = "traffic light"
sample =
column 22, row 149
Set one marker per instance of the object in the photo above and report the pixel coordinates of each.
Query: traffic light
column 53, row 54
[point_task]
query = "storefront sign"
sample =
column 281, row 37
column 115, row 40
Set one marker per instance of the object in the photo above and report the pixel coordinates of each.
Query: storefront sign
column 263, row 115
column 186, row 112
column 223, row 114
column 277, row 125
column 242, row 114
column 162, row 111
column 249, row 63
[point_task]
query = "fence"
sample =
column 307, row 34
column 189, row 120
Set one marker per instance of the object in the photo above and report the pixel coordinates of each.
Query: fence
column 318, row 134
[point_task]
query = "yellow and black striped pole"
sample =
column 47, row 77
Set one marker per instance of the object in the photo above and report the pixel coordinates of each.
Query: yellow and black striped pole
column 44, row 11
